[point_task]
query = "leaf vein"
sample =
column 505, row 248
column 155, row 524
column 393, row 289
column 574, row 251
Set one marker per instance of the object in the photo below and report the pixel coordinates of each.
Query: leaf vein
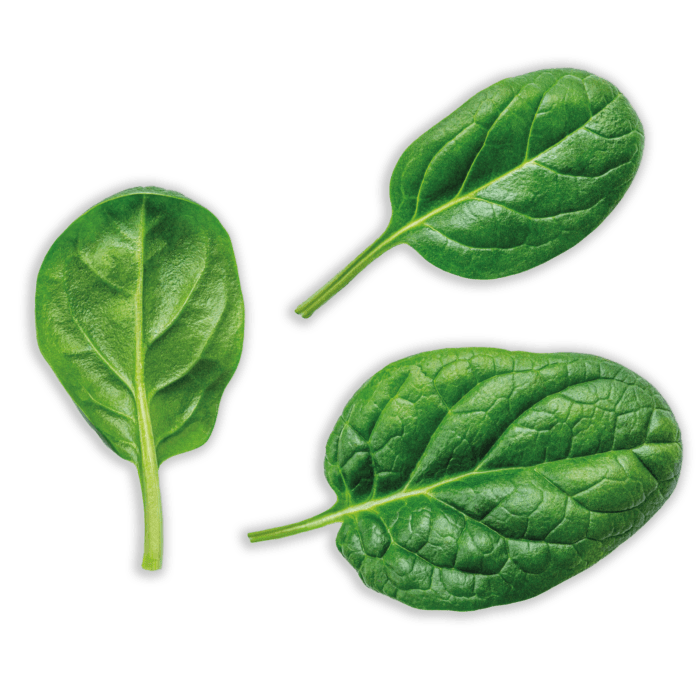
column 179, row 312
column 534, row 116
column 587, row 177
column 536, row 218
column 89, row 266
column 486, row 138
column 92, row 344
column 194, row 361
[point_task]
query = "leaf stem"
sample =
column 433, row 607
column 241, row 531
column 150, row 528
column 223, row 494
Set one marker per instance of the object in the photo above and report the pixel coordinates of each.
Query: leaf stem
column 152, row 516
column 275, row 533
column 347, row 274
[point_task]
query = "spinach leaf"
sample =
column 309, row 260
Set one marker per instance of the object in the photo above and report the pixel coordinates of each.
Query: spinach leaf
column 518, row 174
column 475, row 477
column 139, row 313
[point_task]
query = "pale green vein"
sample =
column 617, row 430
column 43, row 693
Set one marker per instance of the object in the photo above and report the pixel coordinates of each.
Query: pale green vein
column 486, row 138
column 585, row 177
column 470, row 518
column 536, row 218
column 381, row 413
column 179, row 311
column 187, row 415
column 148, row 453
column 93, row 345
column 107, row 408
column 190, row 366
column 470, row 394
column 347, row 425
column 537, row 111
column 614, row 138
column 461, row 244
column 103, row 279
column 441, row 150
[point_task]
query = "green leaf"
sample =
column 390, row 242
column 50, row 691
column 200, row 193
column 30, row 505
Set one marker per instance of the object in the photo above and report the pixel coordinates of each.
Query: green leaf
column 475, row 477
column 139, row 313
column 518, row 174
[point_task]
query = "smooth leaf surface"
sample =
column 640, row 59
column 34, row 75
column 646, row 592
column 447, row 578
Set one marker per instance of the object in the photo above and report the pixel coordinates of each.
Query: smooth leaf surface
column 518, row 174
column 139, row 313
column 474, row 477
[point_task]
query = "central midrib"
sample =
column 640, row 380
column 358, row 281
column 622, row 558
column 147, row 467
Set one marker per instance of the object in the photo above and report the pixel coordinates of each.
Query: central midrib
column 148, row 451
column 336, row 516
column 391, row 238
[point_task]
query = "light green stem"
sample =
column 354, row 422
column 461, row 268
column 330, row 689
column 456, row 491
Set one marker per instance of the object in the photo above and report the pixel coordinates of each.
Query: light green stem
column 317, row 300
column 150, row 484
column 275, row 533
column 152, row 516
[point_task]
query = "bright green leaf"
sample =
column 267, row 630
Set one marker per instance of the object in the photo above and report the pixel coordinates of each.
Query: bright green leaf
column 139, row 313
column 518, row 174
column 475, row 477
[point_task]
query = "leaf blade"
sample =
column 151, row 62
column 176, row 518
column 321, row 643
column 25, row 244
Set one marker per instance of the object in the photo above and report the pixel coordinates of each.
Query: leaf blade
column 567, row 121
column 475, row 477
column 118, row 314
column 112, row 220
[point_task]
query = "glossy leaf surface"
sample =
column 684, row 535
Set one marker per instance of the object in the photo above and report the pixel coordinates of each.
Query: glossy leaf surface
column 518, row 174
column 139, row 313
column 475, row 477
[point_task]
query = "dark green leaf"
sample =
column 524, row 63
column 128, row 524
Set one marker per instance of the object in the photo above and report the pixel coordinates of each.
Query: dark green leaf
column 518, row 174
column 475, row 477
column 139, row 313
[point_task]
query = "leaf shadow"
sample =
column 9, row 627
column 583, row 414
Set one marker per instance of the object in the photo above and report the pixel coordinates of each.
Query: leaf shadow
column 325, row 498
column 411, row 259
column 67, row 409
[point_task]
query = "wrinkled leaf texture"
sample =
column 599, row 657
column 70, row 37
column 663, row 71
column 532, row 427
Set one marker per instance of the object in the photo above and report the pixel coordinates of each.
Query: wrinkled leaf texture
column 518, row 174
column 139, row 313
column 538, row 160
column 468, row 478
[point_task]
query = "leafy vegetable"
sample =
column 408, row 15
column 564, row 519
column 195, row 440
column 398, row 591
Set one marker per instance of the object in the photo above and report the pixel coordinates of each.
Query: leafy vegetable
column 518, row 174
column 475, row 477
column 139, row 313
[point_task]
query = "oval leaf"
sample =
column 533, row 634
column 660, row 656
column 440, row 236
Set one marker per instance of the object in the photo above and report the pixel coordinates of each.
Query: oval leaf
column 139, row 313
column 518, row 174
column 475, row 477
